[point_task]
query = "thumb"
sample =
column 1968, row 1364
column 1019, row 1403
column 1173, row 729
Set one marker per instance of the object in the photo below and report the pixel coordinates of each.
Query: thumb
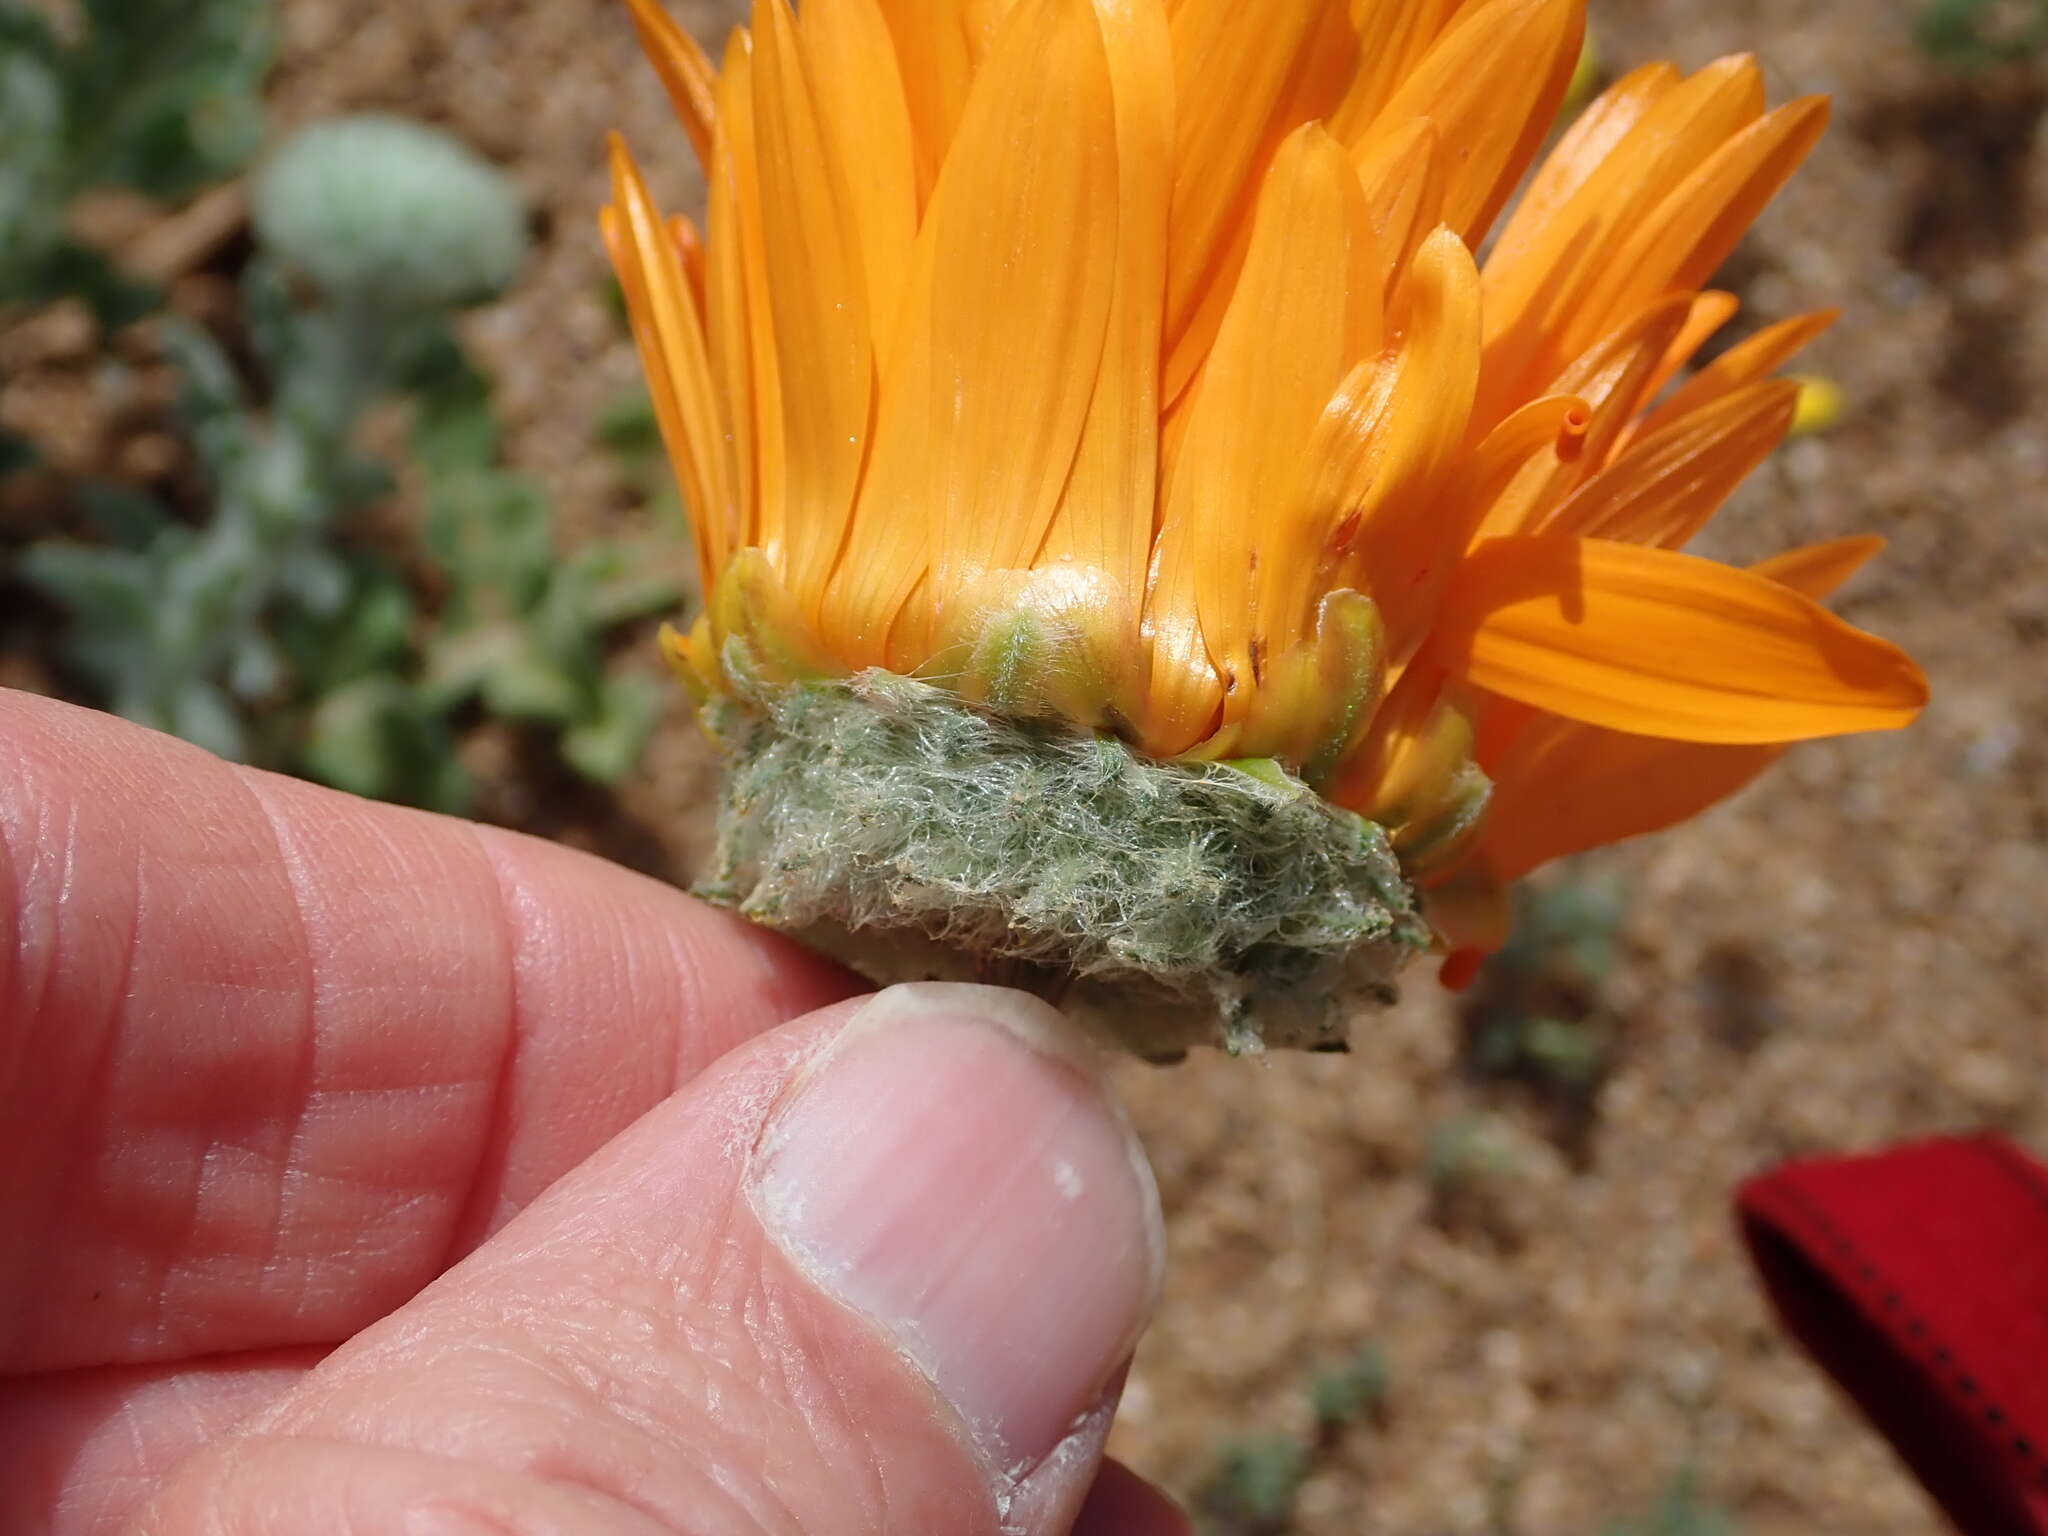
column 879, row 1270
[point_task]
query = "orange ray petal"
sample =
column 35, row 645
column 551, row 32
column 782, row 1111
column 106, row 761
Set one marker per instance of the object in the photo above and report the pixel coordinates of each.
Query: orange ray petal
column 1492, row 85
column 1570, row 787
column 1575, row 787
column 742, row 321
column 1818, row 569
column 685, row 72
column 690, row 248
column 1238, row 91
column 670, row 334
column 1004, row 319
column 1664, row 488
column 851, row 64
column 1392, row 39
column 1306, row 308
column 1609, row 380
column 1658, row 643
column 1403, row 176
column 1580, row 153
column 725, row 310
column 1105, row 519
column 1503, row 485
column 1711, row 309
column 936, row 70
column 818, row 298
column 1555, row 265
column 1690, row 233
column 1392, row 460
column 1762, row 354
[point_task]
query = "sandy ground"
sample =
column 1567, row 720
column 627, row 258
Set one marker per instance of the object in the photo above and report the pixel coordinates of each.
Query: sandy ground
column 1842, row 957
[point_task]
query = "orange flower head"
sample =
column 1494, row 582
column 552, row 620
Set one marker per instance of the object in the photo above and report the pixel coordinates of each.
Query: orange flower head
column 1128, row 363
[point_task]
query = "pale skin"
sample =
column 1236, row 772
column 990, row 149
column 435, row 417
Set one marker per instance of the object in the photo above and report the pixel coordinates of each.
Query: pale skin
column 365, row 1170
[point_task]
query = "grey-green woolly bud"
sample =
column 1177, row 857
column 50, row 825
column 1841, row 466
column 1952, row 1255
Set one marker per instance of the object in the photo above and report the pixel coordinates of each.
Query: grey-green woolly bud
column 1162, row 904
column 383, row 211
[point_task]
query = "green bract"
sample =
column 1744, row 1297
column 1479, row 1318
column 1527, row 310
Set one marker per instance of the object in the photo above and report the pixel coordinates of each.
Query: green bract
column 1162, row 904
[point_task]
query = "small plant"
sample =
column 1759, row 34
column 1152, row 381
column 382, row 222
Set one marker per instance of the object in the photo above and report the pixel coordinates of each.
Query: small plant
column 155, row 96
column 263, row 632
column 1538, row 1016
column 1252, row 1487
column 1352, row 1391
column 1977, row 33
column 1681, row 1511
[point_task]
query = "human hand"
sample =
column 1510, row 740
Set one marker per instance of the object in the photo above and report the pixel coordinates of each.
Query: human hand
column 363, row 1170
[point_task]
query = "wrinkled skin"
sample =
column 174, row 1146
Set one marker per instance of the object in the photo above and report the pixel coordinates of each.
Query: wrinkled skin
column 365, row 1170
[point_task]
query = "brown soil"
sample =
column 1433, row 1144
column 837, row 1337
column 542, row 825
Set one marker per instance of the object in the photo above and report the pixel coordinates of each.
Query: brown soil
column 1841, row 958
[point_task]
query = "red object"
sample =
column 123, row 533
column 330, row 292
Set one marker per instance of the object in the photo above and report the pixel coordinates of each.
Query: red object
column 1918, row 1278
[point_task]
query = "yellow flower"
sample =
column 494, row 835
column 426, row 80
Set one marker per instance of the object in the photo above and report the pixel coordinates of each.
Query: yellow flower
column 1128, row 362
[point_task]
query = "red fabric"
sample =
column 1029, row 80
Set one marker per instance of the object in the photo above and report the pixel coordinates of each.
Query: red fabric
column 1918, row 1278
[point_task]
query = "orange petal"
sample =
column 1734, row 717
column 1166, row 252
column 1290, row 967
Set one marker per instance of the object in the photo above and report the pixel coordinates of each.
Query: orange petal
column 1664, row 644
column 1574, row 787
column 851, row 65
column 1403, row 176
column 1392, row 454
column 1711, row 309
column 1551, row 279
column 1691, row 232
column 1585, row 146
column 1608, row 380
column 670, row 334
column 1392, row 40
column 818, row 297
column 685, row 73
column 1665, row 487
column 1492, row 85
column 1503, row 488
column 690, row 248
column 1307, row 307
column 1762, row 354
column 1003, row 329
column 936, row 70
column 1238, row 90
column 1569, row 787
column 1105, row 518
column 1818, row 569
column 742, row 321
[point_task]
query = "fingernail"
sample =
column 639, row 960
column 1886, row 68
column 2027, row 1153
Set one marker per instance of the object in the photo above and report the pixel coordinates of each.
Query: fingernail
column 955, row 1168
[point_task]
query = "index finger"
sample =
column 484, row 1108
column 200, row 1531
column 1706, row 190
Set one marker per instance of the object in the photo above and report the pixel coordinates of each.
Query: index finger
column 271, row 1057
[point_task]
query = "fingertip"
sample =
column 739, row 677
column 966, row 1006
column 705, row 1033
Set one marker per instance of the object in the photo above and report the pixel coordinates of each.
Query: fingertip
column 1121, row 1503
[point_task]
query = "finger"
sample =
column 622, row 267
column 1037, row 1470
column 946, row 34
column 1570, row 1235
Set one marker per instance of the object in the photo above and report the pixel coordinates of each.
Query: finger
column 271, row 1056
column 877, row 1276
column 80, row 1451
column 1124, row 1504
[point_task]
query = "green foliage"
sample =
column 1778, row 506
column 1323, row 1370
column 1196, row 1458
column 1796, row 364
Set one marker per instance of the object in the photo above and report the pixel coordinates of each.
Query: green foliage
column 1976, row 33
column 1352, row 1390
column 1537, row 1015
column 259, row 631
column 521, row 630
column 1252, row 1489
column 1682, row 1511
column 379, row 211
column 158, row 96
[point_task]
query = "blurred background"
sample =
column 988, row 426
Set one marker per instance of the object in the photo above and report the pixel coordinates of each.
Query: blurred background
column 322, row 444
